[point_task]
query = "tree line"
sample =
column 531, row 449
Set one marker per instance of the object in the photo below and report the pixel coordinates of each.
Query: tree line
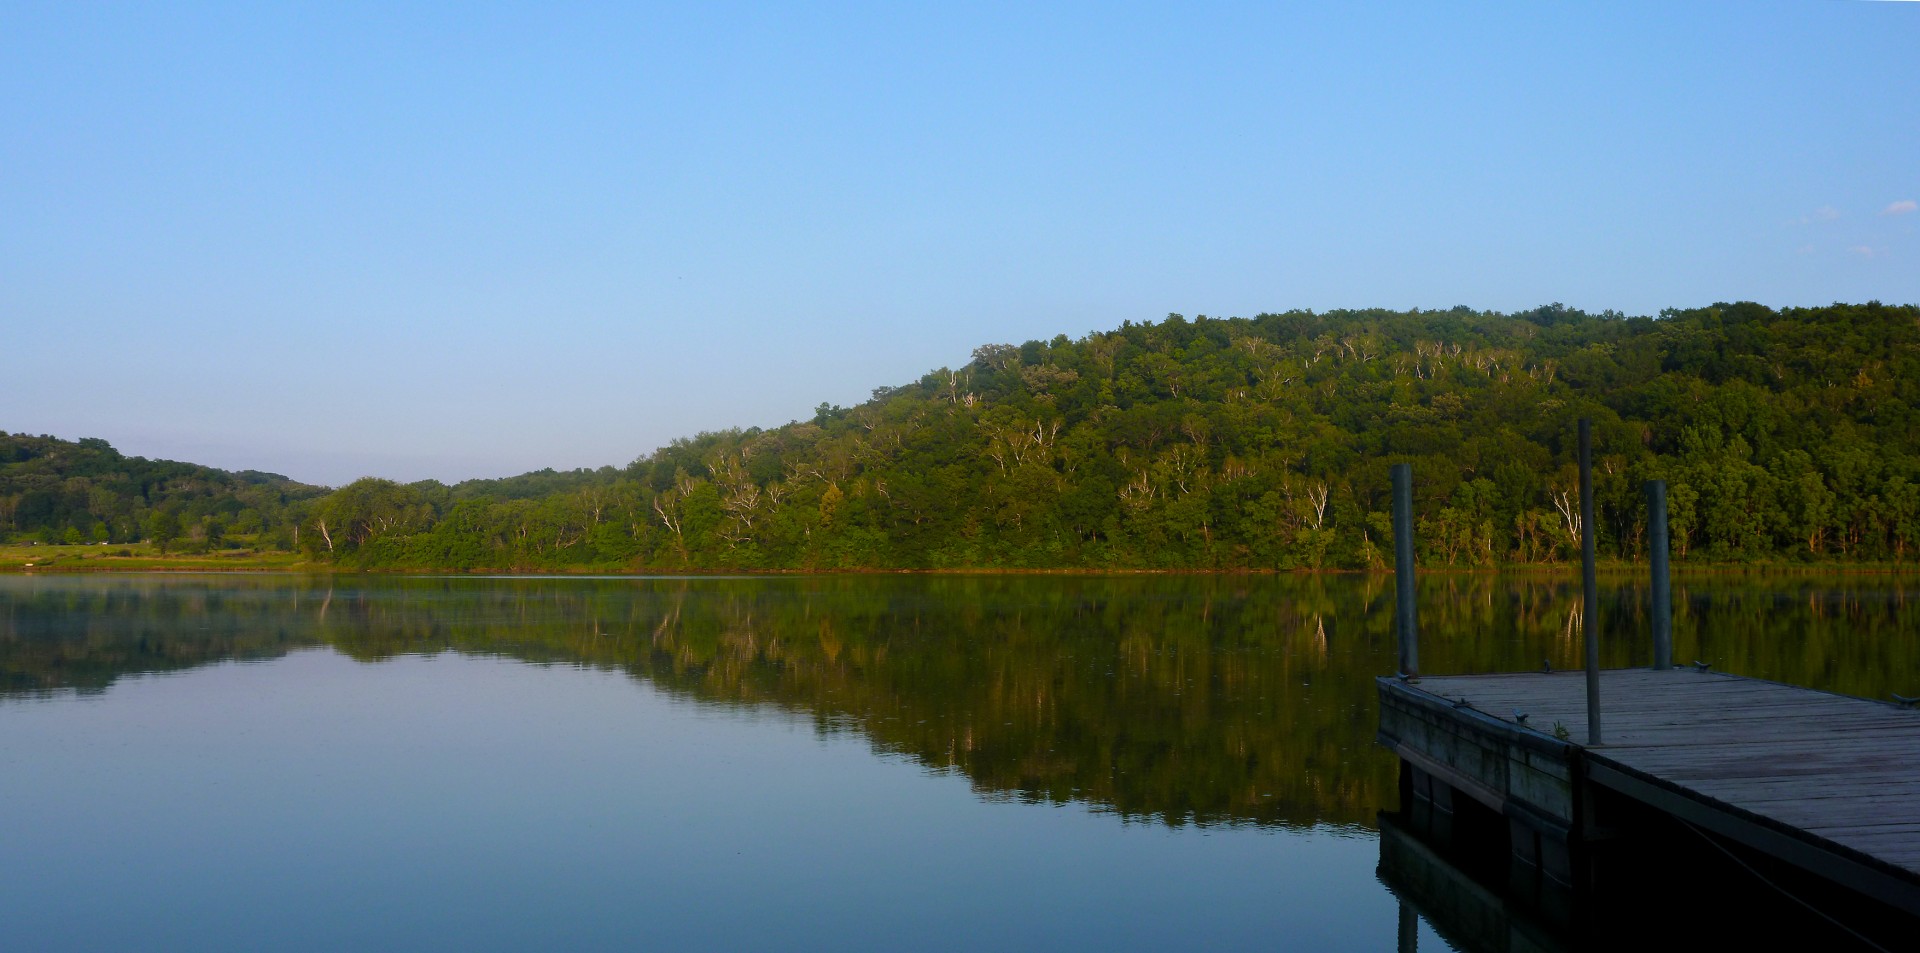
column 85, row 491
column 1245, row 443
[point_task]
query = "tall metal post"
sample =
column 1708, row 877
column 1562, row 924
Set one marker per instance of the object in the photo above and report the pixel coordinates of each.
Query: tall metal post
column 1662, row 576
column 1406, row 622
column 1589, row 616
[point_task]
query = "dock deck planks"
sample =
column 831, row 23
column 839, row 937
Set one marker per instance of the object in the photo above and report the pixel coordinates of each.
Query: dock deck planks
column 1835, row 773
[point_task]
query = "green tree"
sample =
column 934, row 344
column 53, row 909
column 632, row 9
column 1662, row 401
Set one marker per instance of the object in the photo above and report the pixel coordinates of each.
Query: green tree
column 163, row 527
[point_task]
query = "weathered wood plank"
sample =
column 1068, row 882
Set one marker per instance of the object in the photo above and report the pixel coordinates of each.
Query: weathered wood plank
column 1892, row 827
column 1676, row 737
column 1894, row 843
column 1754, row 790
column 1717, row 760
column 1748, row 760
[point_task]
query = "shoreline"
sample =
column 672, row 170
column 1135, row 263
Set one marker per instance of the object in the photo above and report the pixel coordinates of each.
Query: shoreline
column 162, row 565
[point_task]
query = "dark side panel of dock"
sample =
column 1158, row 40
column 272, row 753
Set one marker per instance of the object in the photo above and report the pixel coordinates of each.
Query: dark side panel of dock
column 1824, row 782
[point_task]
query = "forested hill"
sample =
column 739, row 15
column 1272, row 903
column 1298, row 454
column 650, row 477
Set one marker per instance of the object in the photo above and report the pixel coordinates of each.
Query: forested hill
column 1259, row 443
column 61, row 491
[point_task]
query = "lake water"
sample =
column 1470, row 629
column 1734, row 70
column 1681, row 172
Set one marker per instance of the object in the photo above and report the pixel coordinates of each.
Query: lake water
column 862, row 762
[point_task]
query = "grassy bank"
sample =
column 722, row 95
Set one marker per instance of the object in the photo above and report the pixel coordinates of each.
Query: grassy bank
column 142, row 557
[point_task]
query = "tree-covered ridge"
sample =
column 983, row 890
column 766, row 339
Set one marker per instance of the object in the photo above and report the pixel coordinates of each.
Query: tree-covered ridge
column 1252, row 443
column 1195, row 444
column 85, row 491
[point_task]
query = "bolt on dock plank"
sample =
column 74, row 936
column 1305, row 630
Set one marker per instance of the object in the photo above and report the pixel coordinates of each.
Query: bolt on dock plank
column 1827, row 783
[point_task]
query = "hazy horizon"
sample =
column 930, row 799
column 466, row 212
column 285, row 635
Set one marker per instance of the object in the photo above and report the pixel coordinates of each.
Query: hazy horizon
column 322, row 463
column 335, row 241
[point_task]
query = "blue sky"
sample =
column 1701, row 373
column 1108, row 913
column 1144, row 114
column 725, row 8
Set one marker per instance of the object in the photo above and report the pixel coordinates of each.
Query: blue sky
column 340, row 240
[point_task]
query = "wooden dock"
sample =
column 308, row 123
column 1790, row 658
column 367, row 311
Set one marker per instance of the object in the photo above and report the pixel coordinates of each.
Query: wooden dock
column 1826, row 783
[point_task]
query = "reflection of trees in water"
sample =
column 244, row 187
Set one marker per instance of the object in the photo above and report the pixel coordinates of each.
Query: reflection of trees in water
column 1183, row 699
column 81, row 634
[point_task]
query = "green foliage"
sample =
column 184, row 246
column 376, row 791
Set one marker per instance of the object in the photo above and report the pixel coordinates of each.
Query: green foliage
column 85, row 491
column 1258, row 443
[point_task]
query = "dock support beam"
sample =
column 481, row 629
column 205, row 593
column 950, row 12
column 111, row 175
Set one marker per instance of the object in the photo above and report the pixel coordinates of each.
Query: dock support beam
column 1590, row 588
column 1405, row 621
column 1662, row 575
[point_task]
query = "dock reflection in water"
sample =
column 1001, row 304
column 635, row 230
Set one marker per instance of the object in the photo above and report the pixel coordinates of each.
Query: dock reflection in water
column 1468, row 914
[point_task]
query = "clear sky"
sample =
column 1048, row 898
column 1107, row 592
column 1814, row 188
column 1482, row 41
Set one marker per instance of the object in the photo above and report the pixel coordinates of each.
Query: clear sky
column 338, row 240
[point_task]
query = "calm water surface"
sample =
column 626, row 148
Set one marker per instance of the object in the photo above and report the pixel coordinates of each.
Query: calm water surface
column 225, row 762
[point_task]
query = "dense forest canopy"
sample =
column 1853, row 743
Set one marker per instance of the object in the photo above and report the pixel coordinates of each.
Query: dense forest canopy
column 1221, row 444
column 84, row 491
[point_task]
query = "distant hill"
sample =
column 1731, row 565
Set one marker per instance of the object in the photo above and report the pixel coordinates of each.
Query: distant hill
column 1252, row 443
column 85, row 491
column 1260, row 443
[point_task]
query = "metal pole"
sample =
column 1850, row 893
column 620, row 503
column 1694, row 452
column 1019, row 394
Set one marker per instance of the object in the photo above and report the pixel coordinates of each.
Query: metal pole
column 1406, row 621
column 1589, row 621
column 1662, row 576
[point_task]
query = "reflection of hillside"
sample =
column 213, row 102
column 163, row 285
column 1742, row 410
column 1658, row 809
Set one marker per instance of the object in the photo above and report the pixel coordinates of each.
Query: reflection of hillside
column 1183, row 699
column 1179, row 701
column 74, row 635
